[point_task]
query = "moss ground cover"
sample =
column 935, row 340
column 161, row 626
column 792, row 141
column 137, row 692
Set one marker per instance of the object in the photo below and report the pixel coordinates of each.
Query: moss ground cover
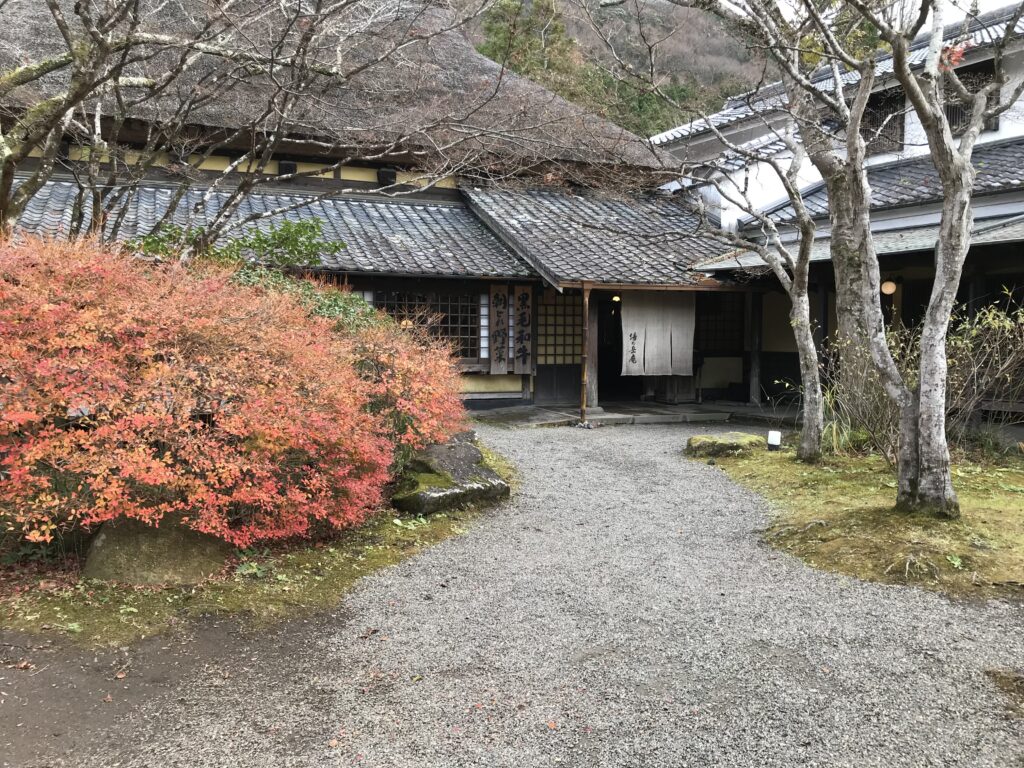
column 262, row 586
column 838, row 515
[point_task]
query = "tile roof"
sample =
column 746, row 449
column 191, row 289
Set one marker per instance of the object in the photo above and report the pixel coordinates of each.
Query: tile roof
column 1002, row 229
column 762, row 148
column 381, row 236
column 570, row 238
column 982, row 31
column 734, row 112
column 1000, row 168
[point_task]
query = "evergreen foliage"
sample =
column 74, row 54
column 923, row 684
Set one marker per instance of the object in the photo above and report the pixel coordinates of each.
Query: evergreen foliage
column 531, row 39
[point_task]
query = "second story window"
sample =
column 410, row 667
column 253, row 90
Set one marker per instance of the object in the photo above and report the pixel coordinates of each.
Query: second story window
column 974, row 77
column 882, row 125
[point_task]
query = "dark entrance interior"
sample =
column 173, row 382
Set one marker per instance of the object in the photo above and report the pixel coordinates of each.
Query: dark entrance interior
column 611, row 384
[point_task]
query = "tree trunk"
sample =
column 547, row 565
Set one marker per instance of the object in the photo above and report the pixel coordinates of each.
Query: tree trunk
column 908, row 466
column 813, row 414
column 6, row 187
column 935, row 491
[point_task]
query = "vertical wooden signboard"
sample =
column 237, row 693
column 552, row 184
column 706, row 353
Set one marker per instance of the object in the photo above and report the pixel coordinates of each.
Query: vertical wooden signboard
column 523, row 346
column 499, row 329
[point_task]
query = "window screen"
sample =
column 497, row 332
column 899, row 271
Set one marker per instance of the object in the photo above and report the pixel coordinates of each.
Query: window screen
column 559, row 328
column 882, row 126
column 451, row 316
column 973, row 77
column 719, row 323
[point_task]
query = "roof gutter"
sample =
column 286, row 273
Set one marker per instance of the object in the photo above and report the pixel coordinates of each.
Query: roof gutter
column 693, row 288
column 322, row 270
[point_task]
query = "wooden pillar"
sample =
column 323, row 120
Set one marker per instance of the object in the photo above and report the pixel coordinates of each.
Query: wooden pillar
column 595, row 334
column 823, row 329
column 756, row 322
column 584, row 353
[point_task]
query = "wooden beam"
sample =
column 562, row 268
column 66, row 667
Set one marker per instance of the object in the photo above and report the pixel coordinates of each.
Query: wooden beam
column 583, row 353
column 595, row 333
column 756, row 322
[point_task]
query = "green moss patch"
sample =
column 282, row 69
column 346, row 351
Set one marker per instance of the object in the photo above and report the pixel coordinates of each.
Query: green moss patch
column 264, row 586
column 500, row 466
column 838, row 516
column 415, row 482
column 726, row 444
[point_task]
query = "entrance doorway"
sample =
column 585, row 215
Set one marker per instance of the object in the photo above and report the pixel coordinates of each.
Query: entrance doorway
column 611, row 384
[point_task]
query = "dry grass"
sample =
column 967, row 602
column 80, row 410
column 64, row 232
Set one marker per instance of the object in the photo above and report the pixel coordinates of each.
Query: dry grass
column 839, row 516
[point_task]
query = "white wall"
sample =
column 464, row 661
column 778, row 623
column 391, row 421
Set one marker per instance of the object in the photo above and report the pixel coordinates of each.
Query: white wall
column 762, row 185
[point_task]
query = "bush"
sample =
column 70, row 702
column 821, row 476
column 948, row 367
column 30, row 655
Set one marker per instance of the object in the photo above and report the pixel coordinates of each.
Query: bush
column 160, row 393
column 985, row 357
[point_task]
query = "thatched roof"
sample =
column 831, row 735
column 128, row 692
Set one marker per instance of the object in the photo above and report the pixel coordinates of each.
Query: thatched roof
column 426, row 95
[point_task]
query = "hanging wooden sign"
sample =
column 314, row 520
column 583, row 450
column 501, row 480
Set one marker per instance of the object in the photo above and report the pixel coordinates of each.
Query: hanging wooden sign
column 523, row 328
column 499, row 329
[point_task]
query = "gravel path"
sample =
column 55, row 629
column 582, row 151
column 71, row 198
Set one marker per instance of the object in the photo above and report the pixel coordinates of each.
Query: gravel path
column 621, row 611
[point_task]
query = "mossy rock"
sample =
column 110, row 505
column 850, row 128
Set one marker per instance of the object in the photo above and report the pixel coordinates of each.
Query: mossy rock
column 131, row 552
column 444, row 477
column 727, row 444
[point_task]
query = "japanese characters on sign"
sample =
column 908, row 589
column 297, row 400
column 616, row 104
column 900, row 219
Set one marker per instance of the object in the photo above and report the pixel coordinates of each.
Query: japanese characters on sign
column 499, row 328
column 523, row 327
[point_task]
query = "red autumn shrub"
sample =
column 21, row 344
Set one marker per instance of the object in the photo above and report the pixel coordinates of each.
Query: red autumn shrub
column 158, row 393
column 414, row 387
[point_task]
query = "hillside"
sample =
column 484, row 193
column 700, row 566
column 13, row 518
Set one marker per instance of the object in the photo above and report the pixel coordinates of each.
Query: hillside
column 584, row 58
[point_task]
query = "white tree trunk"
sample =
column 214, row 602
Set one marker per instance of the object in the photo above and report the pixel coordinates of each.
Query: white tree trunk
column 813, row 414
column 935, row 491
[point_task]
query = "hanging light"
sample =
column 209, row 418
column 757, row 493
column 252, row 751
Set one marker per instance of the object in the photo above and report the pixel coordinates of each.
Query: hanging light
column 616, row 297
column 889, row 287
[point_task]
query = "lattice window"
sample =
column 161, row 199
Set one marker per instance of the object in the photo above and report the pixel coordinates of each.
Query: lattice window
column 882, row 125
column 974, row 77
column 455, row 317
column 719, row 323
column 559, row 328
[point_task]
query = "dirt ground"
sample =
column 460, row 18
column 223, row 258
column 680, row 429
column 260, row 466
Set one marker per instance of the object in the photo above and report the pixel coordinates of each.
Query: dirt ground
column 57, row 698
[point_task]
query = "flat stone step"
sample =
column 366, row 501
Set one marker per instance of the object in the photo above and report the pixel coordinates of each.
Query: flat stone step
column 611, row 419
column 659, row 418
column 704, row 416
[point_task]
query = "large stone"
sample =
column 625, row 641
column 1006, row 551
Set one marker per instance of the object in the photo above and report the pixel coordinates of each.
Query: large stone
column 442, row 477
column 726, row 444
column 132, row 552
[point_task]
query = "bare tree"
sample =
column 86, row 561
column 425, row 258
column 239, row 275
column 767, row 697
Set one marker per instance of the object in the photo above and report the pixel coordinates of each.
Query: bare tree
column 116, row 91
column 788, row 261
column 924, row 454
column 828, row 57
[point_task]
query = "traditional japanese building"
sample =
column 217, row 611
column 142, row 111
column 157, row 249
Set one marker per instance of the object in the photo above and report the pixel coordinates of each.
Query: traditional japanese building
column 557, row 278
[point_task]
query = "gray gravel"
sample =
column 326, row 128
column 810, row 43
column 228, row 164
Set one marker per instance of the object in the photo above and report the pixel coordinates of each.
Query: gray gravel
column 620, row 611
